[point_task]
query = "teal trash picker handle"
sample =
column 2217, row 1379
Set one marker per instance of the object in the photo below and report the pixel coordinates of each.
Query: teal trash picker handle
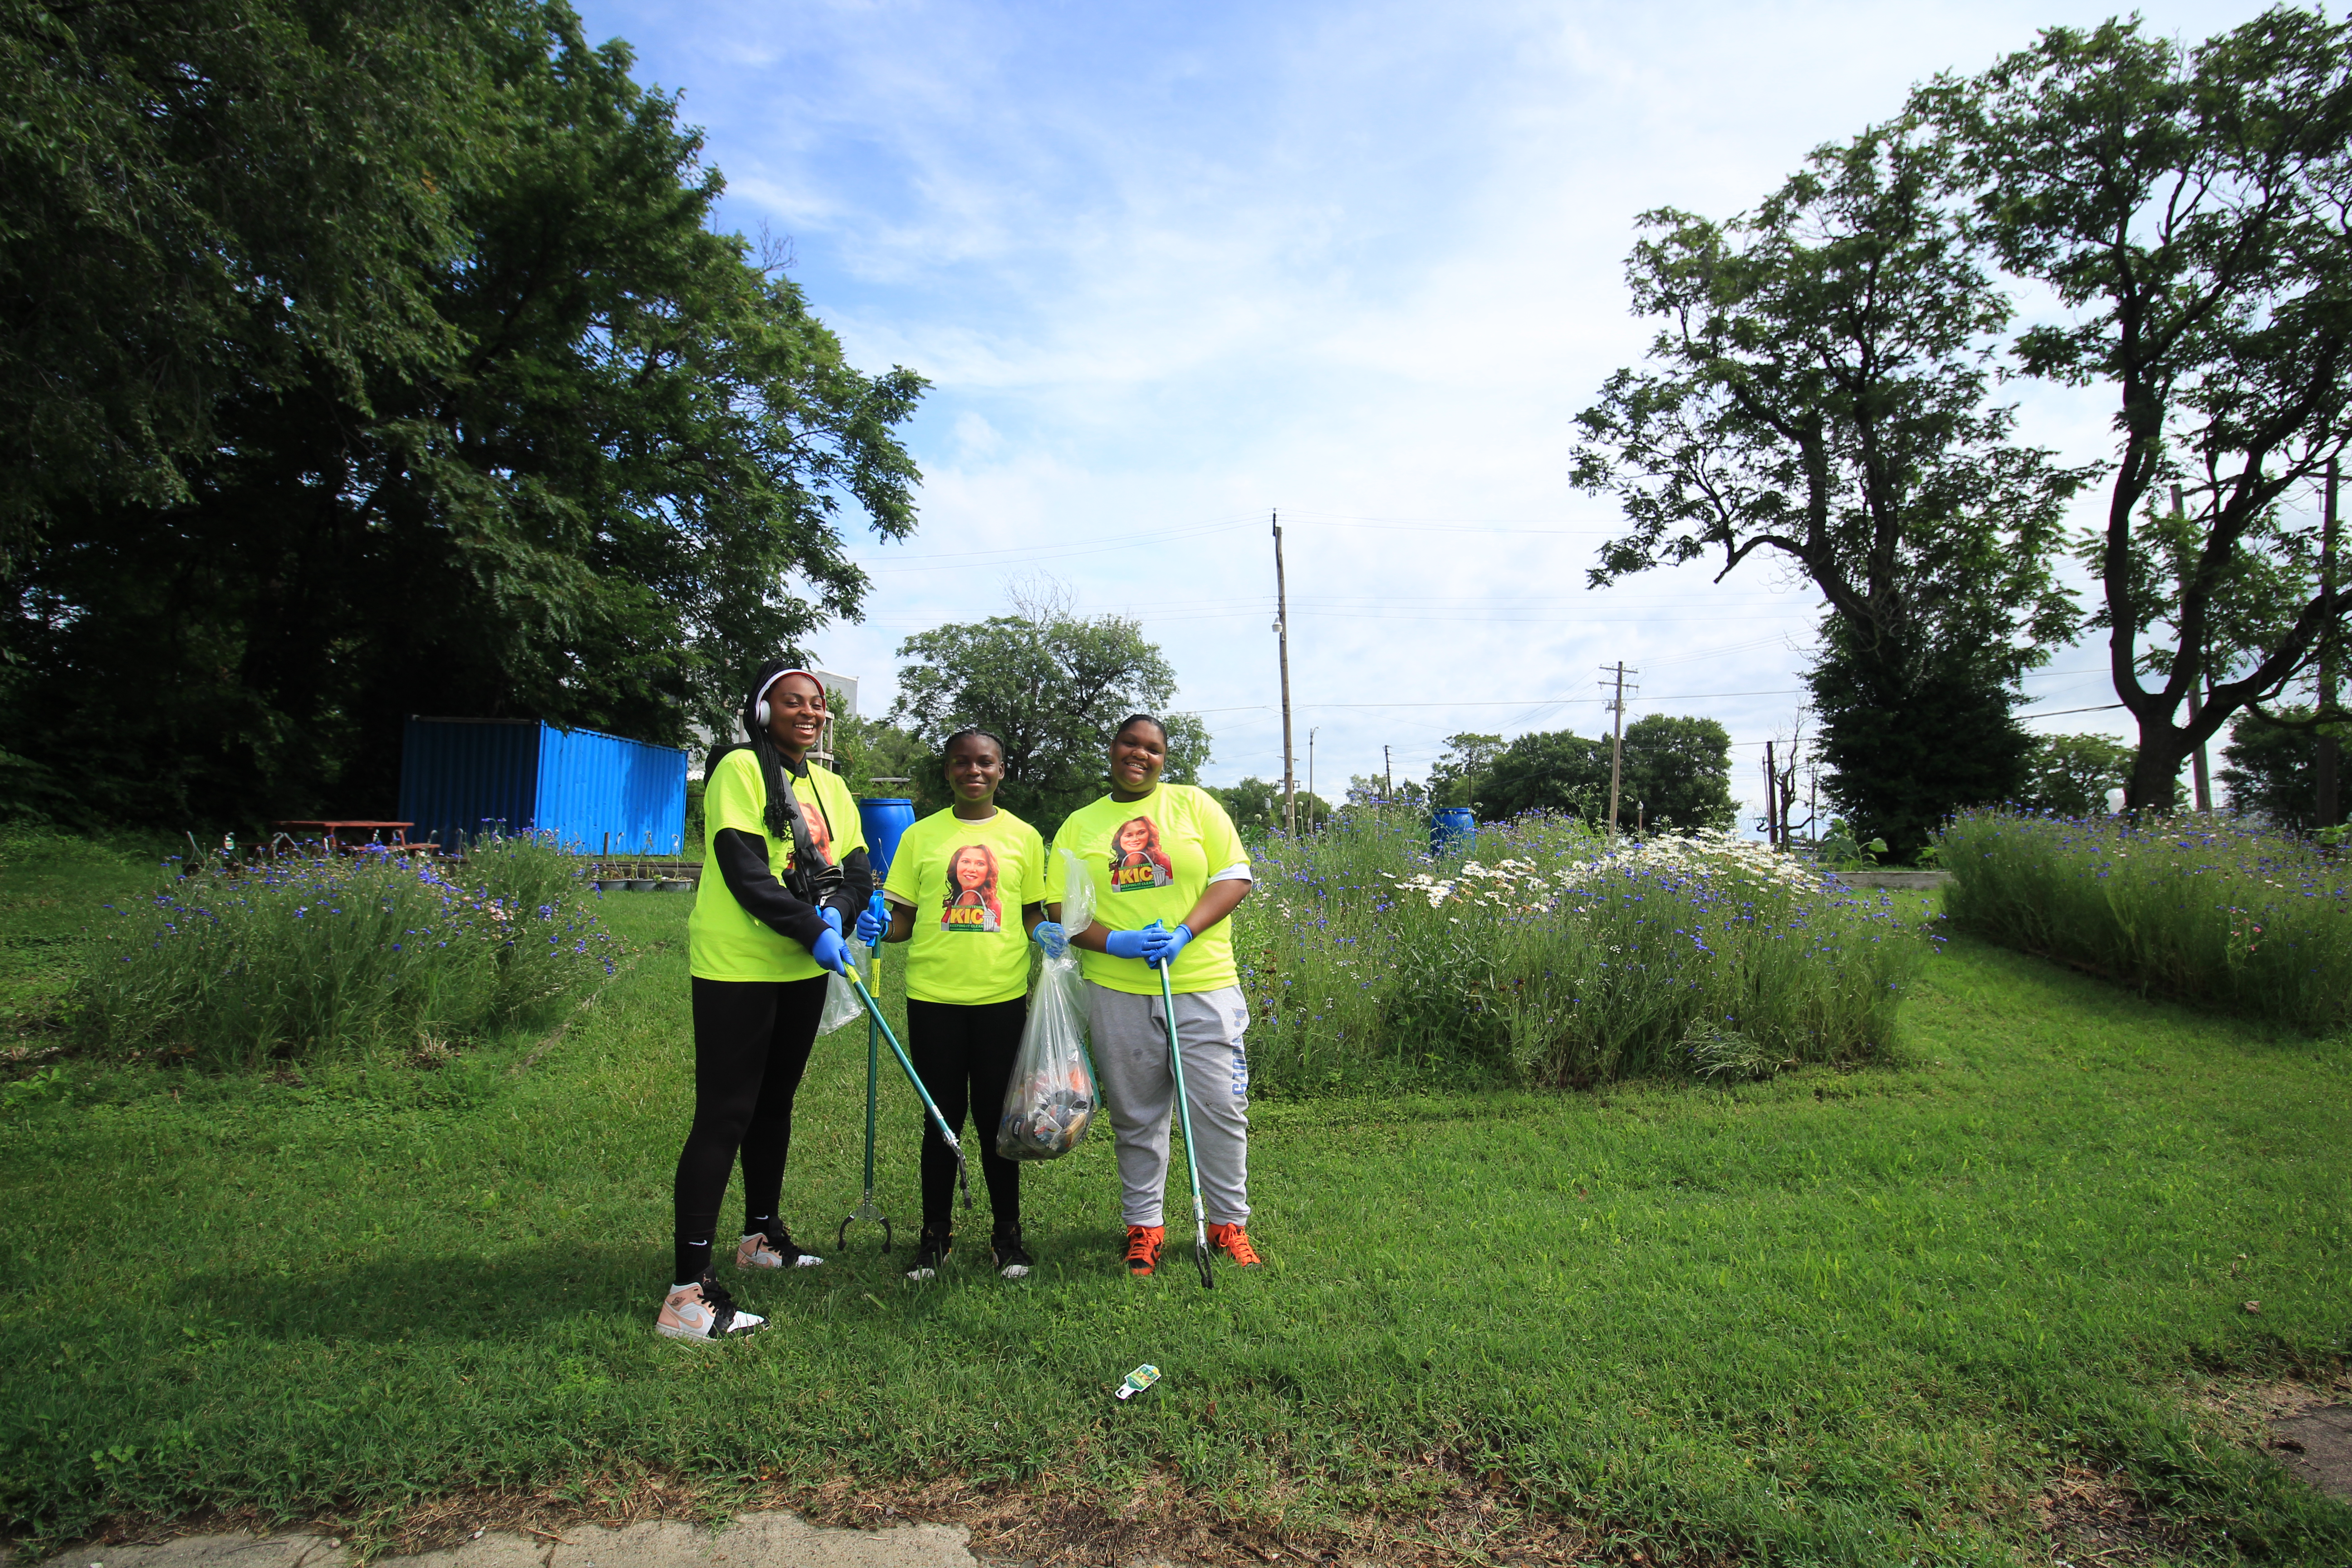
column 1191, row 1150
column 873, row 1011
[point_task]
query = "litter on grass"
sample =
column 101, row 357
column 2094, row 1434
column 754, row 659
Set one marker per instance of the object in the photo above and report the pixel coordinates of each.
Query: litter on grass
column 1136, row 1382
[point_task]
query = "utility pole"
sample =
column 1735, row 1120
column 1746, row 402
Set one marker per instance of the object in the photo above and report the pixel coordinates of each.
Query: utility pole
column 1616, row 739
column 2329, row 771
column 1282, row 642
column 2198, row 773
column 1388, row 775
column 1310, row 770
column 1771, row 813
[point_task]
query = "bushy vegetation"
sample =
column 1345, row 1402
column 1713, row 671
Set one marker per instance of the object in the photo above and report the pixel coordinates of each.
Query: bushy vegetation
column 2212, row 910
column 1848, row 1319
column 2274, row 768
column 494, row 298
column 303, row 959
column 1676, row 774
column 1546, row 958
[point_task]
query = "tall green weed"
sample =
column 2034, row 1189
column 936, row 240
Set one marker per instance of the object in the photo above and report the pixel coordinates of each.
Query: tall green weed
column 301, row 960
column 1545, row 957
column 2213, row 910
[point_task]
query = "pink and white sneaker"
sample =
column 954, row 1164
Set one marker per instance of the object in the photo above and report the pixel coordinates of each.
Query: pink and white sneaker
column 761, row 1250
column 703, row 1313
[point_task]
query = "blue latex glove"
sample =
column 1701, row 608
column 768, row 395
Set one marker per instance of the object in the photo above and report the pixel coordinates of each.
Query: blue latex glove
column 830, row 951
column 1050, row 936
column 1133, row 944
column 1166, row 945
column 830, row 917
column 871, row 924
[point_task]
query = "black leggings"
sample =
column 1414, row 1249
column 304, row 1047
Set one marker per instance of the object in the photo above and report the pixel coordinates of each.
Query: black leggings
column 964, row 1055
column 752, row 1040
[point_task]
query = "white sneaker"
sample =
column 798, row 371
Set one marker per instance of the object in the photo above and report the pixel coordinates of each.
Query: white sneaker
column 759, row 1250
column 702, row 1312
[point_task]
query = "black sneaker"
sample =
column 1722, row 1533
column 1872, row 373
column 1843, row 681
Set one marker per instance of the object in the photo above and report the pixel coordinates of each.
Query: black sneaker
column 702, row 1312
column 773, row 1250
column 1012, row 1259
column 931, row 1253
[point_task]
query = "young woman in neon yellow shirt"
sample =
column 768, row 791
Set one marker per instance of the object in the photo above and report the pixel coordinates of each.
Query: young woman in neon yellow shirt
column 965, row 888
column 783, row 862
column 1168, row 868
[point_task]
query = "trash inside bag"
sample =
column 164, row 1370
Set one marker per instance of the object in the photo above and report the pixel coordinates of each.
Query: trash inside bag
column 841, row 1001
column 1052, row 1097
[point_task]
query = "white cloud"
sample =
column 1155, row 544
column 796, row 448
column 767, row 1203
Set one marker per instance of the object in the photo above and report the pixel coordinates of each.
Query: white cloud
column 1174, row 266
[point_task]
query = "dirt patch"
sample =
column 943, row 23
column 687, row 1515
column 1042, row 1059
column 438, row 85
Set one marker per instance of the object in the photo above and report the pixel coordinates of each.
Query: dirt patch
column 2317, row 1444
column 1160, row 1523
column 2095, row 1517
column 2304, row 1426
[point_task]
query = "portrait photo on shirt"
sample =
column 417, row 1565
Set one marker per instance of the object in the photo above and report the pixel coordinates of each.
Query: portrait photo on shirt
column 1137, row 862
column 971, row 903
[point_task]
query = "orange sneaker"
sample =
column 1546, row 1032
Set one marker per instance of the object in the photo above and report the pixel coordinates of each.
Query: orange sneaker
column 1235, row 1243
column 1143, row 1247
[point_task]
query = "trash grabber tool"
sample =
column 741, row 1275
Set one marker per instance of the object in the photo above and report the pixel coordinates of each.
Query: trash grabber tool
column 868, row 1209
column 873, row 1011
column 1191, row 1150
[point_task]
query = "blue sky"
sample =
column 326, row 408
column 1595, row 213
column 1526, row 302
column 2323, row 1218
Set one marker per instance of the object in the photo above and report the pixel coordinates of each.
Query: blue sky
column 1174, row 267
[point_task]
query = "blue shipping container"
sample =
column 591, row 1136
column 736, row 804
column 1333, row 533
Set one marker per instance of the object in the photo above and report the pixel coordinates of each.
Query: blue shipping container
column 591, row 790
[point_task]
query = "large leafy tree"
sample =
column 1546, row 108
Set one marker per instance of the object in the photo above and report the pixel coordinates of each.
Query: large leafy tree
column 2191, row 211
column 1678, row 768
column 2071, row 774
column 603, row 476
column 1256, row 806
column 1053, row 685
column 213, row 196
column 2274, row 764
column 1555, row 770
column 1820, row 392
column 1458, row 774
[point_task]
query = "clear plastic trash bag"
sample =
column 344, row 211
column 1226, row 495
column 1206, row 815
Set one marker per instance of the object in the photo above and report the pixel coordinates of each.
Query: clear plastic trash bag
column 841, row 1001
column 1052, row 1097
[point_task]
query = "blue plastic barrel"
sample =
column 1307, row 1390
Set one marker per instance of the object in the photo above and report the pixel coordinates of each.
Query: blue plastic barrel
column 1452, row 829
column 884, row 817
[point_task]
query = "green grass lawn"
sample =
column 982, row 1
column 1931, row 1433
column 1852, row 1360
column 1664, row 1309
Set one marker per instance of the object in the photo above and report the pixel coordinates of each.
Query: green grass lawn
column 1842, row 1319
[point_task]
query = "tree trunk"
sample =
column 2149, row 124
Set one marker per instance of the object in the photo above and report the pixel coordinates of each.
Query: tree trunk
column 2155, row 775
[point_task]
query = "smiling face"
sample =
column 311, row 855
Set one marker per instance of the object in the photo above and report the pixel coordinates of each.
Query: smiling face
column 795, row 713
column 1134, row 839
column 1137, row 754
column 975, row 768
column 970, row 868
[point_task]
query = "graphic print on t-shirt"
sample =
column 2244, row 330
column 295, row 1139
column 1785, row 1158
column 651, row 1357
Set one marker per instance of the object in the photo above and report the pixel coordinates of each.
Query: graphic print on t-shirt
column 1137, row 862
column 820, row 834
column 971, row 903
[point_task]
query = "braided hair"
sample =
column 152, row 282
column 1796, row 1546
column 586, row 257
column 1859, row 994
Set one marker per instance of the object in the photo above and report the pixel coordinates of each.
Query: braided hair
column 763, row 749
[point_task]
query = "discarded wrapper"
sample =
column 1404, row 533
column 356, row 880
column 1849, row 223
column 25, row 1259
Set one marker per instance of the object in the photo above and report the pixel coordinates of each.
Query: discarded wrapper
column 1136, row 1382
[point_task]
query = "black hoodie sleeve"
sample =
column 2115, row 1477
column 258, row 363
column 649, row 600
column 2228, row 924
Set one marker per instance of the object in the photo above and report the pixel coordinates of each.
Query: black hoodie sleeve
column 743, row 867
column 857, row 888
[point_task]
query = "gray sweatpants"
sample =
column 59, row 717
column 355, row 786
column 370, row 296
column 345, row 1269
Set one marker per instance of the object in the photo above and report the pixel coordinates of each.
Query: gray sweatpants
column 1130, row 1048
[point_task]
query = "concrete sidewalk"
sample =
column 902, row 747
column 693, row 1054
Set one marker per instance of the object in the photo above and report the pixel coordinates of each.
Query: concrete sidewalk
column 752, row 1541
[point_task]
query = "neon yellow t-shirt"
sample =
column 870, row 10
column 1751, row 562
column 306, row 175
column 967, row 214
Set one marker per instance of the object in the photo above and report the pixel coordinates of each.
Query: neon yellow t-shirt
column 966, row 882
column 1151, row 859
column 724, row 940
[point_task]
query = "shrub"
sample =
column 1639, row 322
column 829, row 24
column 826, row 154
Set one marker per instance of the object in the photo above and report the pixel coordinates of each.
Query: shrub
column 305, row 959
column 2211, row 910
column 1559, row 960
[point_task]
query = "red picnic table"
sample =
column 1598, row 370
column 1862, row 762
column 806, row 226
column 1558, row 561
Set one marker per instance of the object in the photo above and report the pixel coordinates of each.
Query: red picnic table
column 334, row 831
